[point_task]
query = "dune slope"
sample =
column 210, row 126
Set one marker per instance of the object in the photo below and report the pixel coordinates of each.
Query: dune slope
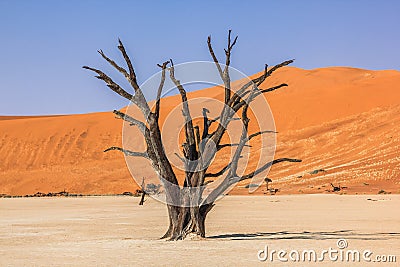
column 343, row 121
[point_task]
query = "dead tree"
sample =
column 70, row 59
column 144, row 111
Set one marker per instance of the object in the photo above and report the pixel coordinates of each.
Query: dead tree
column 143, row 192
column 336, row 188
column 267, row 181
column 189, row 208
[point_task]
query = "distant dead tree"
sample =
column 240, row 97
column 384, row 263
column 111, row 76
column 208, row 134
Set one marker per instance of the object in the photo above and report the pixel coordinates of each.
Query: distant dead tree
column 147, row 189
column 267, row 181
column 187, row 208
column 143, row 193
column 337, row 188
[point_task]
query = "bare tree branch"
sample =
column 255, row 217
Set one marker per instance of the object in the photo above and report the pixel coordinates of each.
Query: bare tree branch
column 110, row 83
column 132, row 75
column 214, row 57
column 240, row 102
column 160, row 88
column 206, row 124
column 239, row 92
column 220, row 172
column 243, row 137
column 261, row 91
column 219, row 147
column 128, row 152
column 207, row 182
column 224, row 73
column 228, row 51
column 227, row 79
column 235, row 102
column 181, row 158
column 140, row 100
column 114, row 64
column 213, row 120
column 259, row 80
column 198, row 177
column 142, row 127
column 198, row 139
column 230, row 180
column 259, row 133
column 189, row 130
column 266, row 166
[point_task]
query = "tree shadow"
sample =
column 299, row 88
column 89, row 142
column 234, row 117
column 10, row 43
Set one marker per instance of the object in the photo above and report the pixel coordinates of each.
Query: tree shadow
column 322, row 235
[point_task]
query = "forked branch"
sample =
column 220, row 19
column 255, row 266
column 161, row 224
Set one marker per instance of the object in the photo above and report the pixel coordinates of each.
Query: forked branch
column 224, row 74
column 110, row 83
column 259, row 80
column 115, row 65
column 260, row 91
column 138, row 99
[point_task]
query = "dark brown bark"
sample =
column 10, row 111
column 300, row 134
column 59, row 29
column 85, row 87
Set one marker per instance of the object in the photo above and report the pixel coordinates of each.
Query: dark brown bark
column 141, row 202
column 187, row 208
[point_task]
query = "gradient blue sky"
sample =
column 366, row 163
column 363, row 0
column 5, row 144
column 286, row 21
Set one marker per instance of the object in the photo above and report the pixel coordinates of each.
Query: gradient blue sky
column 45, row 43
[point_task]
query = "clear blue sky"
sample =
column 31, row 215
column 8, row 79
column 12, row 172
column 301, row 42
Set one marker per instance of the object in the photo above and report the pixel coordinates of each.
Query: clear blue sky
column 45, row 43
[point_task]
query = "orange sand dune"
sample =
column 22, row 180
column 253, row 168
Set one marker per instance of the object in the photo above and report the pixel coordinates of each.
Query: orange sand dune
column 345, row 121
column 3, row 118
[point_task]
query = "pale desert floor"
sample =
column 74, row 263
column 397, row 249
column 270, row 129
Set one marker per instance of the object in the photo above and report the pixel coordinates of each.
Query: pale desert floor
column 115, row 231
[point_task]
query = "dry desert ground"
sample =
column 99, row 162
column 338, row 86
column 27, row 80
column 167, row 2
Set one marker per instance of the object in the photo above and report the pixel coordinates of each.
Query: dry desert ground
column 342, row 122
column 116, row 231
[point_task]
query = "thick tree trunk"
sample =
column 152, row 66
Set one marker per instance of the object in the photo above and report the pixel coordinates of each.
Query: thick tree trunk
column 187, row 221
